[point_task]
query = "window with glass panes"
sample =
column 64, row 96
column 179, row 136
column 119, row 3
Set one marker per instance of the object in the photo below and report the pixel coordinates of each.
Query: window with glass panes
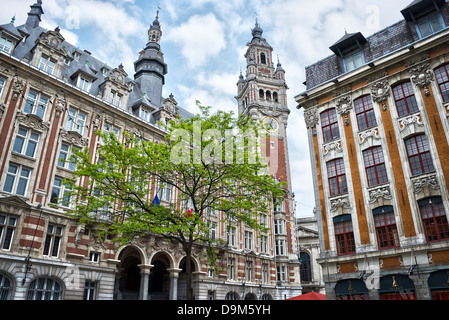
column 376, row 172
column 337, row 177
column 404, row 97
column 26, row 142
column 365, row 112
column 5, row 45
column 353, row 60
column 7, row 229
column 53, row 240
column 36, row 104
column 17, row 179
column 305, row 267
column 429, row 25
column 329, row 124
column 344, row 235
column 442, row 76
column 386, row 230
column 434, row 219
column 2, row 84
column 6, row 286
column 60, row 193
column 418, row 154
column 65, row 159
column 231, row 268
column 90, row 290
column 44, row 288
column 46, row 64
column 76, row 120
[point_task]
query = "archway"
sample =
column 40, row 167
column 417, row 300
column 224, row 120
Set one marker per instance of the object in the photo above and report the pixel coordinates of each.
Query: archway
column 250, row 296
column 129, row 274
column 182, row 282
column 159, row 285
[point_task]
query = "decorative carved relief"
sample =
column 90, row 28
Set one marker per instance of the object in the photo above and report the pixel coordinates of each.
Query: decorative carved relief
column 380, row 92
column 311, row 117
column 73, row 137
column 332, row 148
column 383, row 192
column 340, row 202
column 17, row 87
column 344, row 106
column 422, row 76
column 32, row 121
column 429, row 181
column 369, row 136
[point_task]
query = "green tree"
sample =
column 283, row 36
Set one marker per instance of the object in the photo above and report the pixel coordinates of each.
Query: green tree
column 211, row 161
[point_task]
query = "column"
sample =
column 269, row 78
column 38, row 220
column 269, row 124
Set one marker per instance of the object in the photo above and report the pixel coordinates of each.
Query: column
column 174, row 275
column 144, row 280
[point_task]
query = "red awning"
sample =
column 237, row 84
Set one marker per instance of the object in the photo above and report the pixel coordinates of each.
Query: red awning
column 310, row 296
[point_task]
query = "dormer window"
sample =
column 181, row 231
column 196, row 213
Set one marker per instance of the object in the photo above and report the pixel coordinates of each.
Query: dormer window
column 353, row 60
column 144, row 114
column 83, row 84
column 429, row 25
column 5, row 45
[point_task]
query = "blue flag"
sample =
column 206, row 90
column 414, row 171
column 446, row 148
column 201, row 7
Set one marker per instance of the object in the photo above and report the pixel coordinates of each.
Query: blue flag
column 156, row 200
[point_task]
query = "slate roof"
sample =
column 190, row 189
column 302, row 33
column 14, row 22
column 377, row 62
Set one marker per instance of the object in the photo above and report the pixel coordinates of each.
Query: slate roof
column 399, row 35
column 85, row 63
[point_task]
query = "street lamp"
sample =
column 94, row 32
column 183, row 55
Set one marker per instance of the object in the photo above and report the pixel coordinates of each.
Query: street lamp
column 27, row 259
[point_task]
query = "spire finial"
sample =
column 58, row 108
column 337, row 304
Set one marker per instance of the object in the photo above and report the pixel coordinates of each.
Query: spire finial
column 13, row 19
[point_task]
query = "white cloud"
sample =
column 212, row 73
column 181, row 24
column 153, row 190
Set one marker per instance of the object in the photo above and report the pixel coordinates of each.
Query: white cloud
column 200, row 38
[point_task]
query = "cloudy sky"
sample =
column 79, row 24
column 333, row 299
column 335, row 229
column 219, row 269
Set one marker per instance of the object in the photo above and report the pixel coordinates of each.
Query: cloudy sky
column 204, row 41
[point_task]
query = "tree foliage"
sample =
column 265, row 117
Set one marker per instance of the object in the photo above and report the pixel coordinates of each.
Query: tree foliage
column 115, row 188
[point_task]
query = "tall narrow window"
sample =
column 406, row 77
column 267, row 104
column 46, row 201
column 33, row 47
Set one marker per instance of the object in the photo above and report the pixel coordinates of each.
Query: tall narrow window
column 419, row 156
column 60, row 193
column 305, row 267
column 376, row 172
column 330, row 125
column 337, row 177
column 248, row 240
column 263, row 58
column 231, row 268
column 7, row 229
column 365, row 112
column 36, row 104
column 344, row 235
column 53, row 240
column 442, row 76
column 434, row 219
column 405, row 99
column 2, row 84
column 90, row 290
column 386, row 230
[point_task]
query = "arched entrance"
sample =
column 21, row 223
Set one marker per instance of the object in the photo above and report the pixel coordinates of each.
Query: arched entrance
column 182, row 282
column 159, row 286
column 129, row 274
column 250, row 296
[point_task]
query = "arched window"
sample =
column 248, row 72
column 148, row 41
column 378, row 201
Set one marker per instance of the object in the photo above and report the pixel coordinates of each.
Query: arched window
column 386, row 230
column 6, row 286
column 442, row 76
column 263, row 58
column 305, row 267
column 404, row 96
column 376, row 172
column 232, row 296
column 261, row 94
column 266, row 296
column 268, row 95
column 418, row 154
column 329, row 124
column 44, row 289
column 434, row 219
column 275, row 97
column 344, row 235
column 365, row 112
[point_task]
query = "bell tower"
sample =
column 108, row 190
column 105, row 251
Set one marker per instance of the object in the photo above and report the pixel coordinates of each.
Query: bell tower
column 150, row 67
column 261, row 95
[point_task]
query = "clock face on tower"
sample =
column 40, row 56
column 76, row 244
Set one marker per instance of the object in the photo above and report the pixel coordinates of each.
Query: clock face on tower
column 272, row 124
